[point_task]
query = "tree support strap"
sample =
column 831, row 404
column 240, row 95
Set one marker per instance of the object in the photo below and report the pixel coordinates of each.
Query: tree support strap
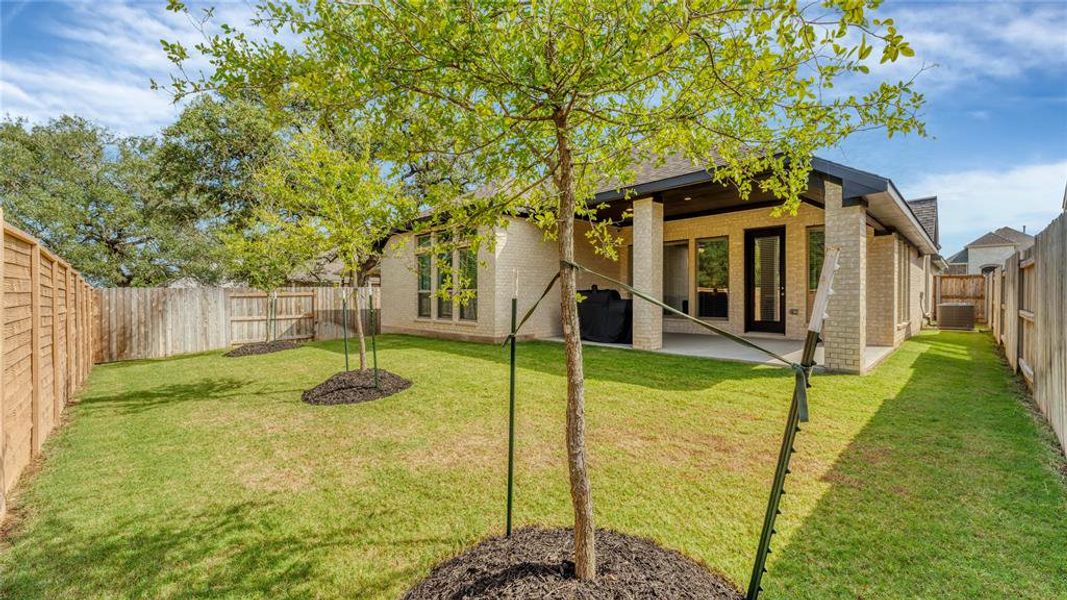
column 798, row 408
column 803, row 373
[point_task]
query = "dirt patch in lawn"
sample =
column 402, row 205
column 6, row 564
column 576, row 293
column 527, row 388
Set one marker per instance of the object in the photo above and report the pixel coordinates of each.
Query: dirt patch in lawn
column 351, row 387
column 262, row 348
column 538, row 563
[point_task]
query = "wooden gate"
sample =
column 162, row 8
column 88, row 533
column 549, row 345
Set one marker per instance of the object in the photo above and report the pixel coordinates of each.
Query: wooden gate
column 248, row 316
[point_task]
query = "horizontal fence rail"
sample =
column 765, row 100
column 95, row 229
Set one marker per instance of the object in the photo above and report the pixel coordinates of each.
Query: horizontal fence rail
column 136, row 323
column 1028, row 304
column 45, row 348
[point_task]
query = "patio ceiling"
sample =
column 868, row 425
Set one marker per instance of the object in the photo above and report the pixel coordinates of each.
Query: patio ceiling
column 695, row 194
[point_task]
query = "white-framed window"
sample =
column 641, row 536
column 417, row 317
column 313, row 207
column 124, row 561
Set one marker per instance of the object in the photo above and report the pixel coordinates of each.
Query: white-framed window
column 443, row 270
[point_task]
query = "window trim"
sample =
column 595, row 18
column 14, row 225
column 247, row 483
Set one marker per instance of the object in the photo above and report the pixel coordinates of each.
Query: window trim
column 680, row 243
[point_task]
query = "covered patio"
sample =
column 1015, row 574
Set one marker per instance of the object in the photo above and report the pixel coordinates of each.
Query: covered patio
column 720, row 348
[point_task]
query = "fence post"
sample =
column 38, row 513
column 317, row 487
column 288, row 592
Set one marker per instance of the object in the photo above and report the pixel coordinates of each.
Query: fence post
column 35, row 349
column 3, row 386
column 56, row 406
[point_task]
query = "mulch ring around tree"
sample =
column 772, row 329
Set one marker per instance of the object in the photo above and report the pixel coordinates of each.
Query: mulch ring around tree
column 355, row 386
column 538, row 563
column 262, row 348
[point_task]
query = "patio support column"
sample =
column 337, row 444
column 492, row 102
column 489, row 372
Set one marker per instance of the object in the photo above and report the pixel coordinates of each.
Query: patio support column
column 845, row 332
column 648, row 272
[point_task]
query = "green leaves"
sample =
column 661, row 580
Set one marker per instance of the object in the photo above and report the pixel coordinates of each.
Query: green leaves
column 94, row 198
column 479, row 95
column 327, row 190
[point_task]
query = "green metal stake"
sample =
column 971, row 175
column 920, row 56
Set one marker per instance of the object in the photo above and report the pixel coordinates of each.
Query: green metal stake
column 511, row 414
column 344, row 322
column 797, row 413
column 374, row 341
column 792, row 426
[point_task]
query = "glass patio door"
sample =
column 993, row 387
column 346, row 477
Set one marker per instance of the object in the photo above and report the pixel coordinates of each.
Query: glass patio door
column 765, row 280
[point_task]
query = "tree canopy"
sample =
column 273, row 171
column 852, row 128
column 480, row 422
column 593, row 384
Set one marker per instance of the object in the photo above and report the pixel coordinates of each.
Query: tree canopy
column 94, row 198
column 543, row 103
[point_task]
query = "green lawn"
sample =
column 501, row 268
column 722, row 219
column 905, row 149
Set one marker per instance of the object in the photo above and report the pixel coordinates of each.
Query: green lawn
column 206, row 476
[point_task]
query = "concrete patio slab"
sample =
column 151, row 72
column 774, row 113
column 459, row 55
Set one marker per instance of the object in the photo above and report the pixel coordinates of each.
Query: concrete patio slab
column 720, row 348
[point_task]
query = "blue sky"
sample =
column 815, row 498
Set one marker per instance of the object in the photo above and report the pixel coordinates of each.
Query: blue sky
column 996, row 111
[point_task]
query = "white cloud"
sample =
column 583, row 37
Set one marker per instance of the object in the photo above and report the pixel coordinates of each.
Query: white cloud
column 106, row 77
column 973, row 42
column 973, row 202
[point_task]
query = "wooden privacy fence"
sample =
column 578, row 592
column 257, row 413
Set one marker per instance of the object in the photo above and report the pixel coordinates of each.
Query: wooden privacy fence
column 1029, row 320
column 45, row 348
column 961, row 289
column 138, row 323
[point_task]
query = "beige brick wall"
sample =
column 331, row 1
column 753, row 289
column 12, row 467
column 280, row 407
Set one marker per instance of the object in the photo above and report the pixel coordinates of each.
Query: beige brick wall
column 881, row 289
column 845, row 332
column 917, row 273
column 519, row 248
column 733, row 226
column 399, row 295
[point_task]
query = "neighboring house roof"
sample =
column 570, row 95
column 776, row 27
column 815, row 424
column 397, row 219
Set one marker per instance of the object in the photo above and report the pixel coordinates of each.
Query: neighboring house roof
column 1021, row 239
column 991, row 239
column 1005, row 236
column 925, row 210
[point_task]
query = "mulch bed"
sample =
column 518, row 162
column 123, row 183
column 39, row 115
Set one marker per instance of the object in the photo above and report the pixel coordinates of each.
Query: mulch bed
column 355, row 386
column 538, row 563
column 262, row 348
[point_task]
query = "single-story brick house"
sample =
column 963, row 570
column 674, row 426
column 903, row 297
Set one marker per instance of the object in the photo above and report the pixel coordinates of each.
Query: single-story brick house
column 697, row 246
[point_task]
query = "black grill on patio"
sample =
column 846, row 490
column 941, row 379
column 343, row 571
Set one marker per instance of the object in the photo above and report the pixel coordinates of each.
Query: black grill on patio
column 605, row 316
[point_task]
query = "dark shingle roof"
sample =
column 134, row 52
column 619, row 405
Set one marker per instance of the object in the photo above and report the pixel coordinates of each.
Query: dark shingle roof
column 991, row 239
column 658, row 169
column 959, row 257
column 925, row 210
column 1023, row 240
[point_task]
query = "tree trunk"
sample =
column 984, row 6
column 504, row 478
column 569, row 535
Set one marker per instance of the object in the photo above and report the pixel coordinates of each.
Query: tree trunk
column 359, row 325
column 581, row 493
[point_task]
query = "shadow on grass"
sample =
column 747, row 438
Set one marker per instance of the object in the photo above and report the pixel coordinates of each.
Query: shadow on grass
column 946, row 492
column 138, row 400
column 241, row 550
column 632, row 367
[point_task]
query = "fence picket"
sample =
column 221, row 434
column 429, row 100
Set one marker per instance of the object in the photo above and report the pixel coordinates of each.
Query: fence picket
column 1032, row 323
column 38, row 348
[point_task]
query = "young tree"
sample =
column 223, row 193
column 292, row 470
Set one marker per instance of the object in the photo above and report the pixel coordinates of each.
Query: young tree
column 543, row 102
column 337, row 199
column 264, row 256
column 94, row 197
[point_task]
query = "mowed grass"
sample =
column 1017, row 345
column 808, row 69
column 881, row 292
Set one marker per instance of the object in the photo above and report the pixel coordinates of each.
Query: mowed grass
column 205, row 476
